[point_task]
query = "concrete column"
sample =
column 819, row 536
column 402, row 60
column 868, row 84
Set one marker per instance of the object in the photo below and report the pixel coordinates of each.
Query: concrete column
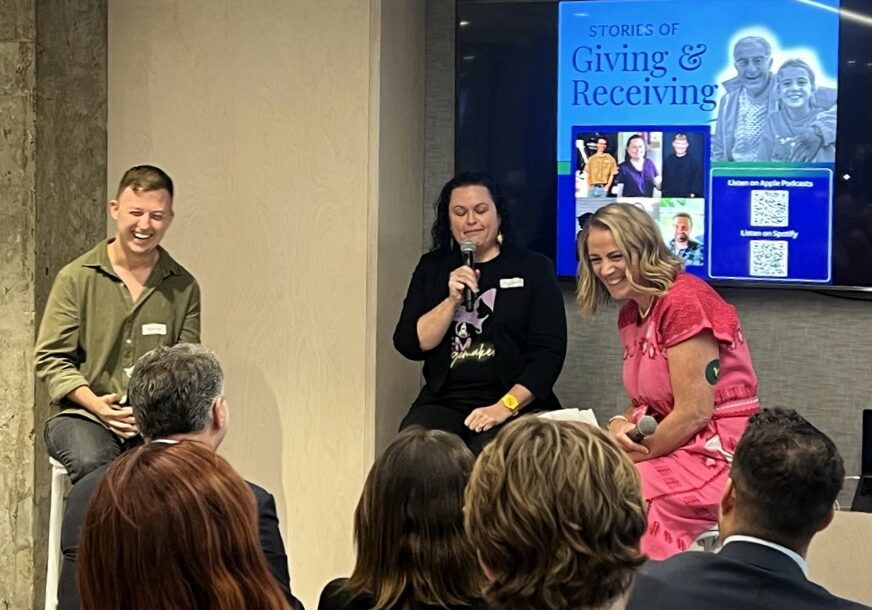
column 52, row 207
column 17, row 262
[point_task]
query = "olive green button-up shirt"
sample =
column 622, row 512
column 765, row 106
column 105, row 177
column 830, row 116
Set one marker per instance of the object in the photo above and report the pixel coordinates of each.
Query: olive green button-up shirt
column 92, row 333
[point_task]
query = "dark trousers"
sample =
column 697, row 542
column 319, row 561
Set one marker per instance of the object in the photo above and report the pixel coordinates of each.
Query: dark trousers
column 83, row 445
column 440, row 417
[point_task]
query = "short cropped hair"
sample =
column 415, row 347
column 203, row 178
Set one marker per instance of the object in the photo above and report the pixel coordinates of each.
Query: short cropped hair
column 144, row 178
column 642, row 246
column 556, row 513
column 172, row 390
column 174, row 526
column 684, row 215
column 787, row 475
column 408, row 525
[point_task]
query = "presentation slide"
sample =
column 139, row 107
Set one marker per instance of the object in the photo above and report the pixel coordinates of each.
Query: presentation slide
column 720, row 127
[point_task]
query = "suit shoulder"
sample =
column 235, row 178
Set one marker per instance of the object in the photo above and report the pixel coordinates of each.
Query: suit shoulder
column 260, row 494
column 681, row 563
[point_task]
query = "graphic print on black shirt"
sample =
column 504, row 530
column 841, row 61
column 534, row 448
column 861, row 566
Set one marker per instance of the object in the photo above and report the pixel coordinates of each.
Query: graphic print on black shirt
column 472, row 340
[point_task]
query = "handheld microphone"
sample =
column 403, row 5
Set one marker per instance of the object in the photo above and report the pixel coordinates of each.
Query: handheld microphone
column 467, row 249
column 646, row 427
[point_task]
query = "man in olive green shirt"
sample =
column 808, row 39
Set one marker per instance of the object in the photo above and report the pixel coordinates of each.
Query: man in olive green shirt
column 106, row 309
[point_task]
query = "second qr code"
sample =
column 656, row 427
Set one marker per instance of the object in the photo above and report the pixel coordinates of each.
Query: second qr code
column 768, row 258
column 769, row 208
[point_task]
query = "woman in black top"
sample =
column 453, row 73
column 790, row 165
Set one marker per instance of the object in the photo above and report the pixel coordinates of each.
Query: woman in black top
column 485, row 365
column 412, row 552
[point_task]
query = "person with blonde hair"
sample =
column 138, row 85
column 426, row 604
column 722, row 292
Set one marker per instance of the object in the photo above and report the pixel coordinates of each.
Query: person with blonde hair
column 172, row 525
column 412, row 552
column 555, row 511
column 686, row 363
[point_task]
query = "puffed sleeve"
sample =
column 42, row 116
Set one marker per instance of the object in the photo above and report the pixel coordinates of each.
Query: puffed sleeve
column 689, row 309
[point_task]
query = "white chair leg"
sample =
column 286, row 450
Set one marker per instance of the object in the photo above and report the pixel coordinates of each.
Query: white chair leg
column 56, row 514
column 709, row 540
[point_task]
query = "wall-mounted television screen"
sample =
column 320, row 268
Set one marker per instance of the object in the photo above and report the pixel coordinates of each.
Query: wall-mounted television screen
column 739, row 125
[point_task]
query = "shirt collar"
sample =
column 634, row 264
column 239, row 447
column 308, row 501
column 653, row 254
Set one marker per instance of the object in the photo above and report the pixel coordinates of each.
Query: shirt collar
column 98, row 258
column 796, row 557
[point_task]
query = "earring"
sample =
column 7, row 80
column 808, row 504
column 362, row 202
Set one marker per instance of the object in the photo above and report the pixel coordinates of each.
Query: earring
column 500, row 238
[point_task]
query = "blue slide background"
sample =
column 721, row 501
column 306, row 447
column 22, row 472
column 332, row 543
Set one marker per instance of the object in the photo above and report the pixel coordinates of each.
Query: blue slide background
column 695, row 38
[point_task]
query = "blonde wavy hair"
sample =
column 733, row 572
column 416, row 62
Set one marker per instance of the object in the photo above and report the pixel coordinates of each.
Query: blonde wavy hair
column 556, row 513
column 651, row 267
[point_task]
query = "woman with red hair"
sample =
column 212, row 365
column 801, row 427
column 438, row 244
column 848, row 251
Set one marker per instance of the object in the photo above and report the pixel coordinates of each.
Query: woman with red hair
column 172, row 525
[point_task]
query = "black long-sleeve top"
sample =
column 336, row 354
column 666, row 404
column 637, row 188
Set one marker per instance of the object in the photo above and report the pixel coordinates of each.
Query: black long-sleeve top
column 528, row 321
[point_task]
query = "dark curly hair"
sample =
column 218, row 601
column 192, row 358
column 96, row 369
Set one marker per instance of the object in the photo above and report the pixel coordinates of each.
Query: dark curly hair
column 441, row 229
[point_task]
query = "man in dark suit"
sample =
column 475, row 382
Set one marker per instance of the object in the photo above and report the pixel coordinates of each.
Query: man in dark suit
column 176, row 393
column 784, row 480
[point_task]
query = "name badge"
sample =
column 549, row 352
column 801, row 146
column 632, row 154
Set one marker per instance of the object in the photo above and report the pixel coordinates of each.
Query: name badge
column 154, row 329
column 512, row 282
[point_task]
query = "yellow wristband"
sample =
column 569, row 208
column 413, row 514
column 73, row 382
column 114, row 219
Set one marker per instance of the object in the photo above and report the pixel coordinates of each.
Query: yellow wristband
column 511, row 403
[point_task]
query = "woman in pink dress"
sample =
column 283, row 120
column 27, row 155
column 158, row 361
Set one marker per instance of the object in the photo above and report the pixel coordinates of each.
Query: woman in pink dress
column 686, row 363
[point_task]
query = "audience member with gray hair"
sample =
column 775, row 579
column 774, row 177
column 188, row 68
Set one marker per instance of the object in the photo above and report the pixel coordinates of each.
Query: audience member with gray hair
column 177, row 394
column 785, row 477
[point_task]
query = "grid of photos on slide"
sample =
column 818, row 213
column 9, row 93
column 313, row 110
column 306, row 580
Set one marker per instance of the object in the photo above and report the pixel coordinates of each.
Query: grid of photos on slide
column 661, row 172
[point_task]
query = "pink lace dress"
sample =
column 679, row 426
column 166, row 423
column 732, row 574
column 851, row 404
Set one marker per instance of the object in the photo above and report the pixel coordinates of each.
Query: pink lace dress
column 683, row 488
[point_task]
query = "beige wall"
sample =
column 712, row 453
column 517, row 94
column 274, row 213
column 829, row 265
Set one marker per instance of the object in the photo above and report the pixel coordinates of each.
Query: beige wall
column 292, row 130
column 839, row 557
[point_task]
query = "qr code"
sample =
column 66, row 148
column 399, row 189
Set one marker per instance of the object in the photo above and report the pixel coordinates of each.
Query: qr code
column 769, row 208
column 768, row 258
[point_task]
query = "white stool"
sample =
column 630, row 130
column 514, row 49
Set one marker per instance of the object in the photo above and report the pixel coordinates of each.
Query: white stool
column 56, row 515
column 710, row 540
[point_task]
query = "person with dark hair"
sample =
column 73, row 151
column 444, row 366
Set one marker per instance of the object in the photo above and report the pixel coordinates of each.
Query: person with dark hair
column 106, row 309
column 412, row 552
column 174, row 526
column 682, row 245
column 582, row 220
column 600, row 170
column 555, row 511
column 177, row 394
column 686, row 363
column 682, row 172
column 785, row 478
column 484, row 364
column 637, row 173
